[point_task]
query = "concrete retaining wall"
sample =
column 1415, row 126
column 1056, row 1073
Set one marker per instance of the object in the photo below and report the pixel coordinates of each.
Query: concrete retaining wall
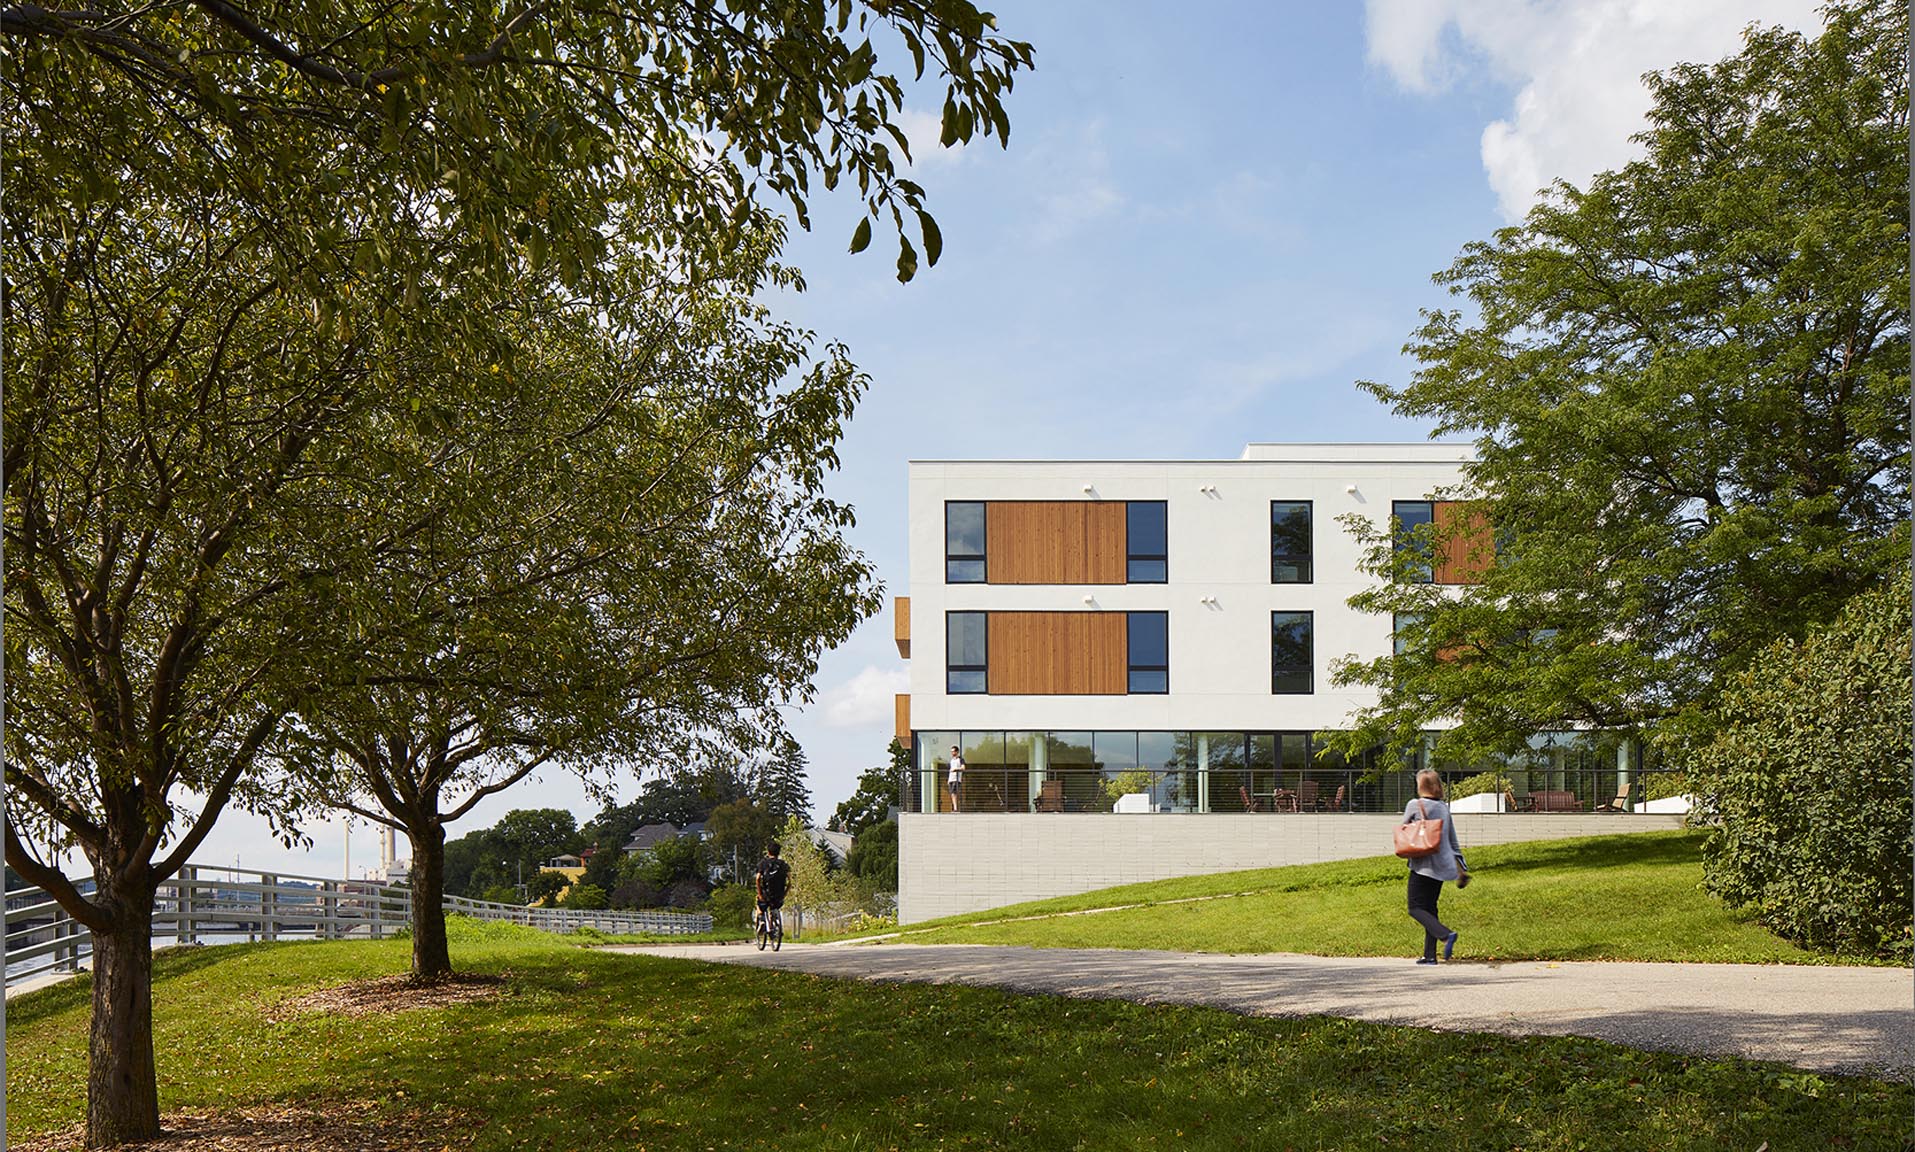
column 949, row 864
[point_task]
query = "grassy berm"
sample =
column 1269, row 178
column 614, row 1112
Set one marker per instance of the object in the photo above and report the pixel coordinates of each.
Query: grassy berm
column 1629, row 897
column 579, row 1049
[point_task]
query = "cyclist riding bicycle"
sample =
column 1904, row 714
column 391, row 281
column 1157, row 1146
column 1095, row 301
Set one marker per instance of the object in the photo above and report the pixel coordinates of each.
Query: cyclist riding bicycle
column 771, row 880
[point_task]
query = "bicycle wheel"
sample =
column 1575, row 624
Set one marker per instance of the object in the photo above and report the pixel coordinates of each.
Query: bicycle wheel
column 777, row 931
column 764, row 932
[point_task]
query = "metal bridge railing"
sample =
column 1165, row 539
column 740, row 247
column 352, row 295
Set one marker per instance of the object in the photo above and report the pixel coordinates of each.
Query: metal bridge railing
column 203, row 904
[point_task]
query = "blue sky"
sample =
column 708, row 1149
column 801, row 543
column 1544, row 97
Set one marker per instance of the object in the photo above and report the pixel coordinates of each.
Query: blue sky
column 1212, row 220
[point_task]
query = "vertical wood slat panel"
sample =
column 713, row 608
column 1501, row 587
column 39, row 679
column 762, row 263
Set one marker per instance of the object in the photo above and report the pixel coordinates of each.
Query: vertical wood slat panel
column 1110, row 654
column 901, row 624
column 1058, row 653
column 1465, row 549
column 1072, row 543
column 1055, row 542
column 1107, row 539
column 901, row 705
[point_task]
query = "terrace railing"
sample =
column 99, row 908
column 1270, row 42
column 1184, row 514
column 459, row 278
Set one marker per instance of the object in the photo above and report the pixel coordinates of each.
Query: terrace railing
column 203, row 904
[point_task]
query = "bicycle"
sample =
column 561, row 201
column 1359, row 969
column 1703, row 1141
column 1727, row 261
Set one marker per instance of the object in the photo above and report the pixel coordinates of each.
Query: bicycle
column 771, row 929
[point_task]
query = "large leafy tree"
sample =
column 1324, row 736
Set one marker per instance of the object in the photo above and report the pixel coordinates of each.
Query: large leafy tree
column 1688, row 386
column 631, row 557
column 518, row 122
column 231, row 234
column 169, row 413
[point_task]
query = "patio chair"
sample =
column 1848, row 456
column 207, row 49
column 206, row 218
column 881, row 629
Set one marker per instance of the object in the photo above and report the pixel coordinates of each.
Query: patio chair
column 1309, row 796
column 1050, row 796
column 1620, row 803
column 1249, row 801
column 1341, row 803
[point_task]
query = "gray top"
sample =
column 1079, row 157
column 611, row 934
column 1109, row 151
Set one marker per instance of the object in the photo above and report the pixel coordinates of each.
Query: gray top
column 1446, row 863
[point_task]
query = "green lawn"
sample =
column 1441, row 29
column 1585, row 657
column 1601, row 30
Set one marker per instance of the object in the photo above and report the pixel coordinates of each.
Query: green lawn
column 1630, row 897
column 588, row 1050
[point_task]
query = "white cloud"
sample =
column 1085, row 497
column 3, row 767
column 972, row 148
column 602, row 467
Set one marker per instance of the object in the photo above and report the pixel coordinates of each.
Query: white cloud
column 925, row 131
column 1576, row 65
column 865, row 699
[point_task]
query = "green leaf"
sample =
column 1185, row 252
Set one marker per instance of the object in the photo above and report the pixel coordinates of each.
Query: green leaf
column 861, row 238
column 933, row 239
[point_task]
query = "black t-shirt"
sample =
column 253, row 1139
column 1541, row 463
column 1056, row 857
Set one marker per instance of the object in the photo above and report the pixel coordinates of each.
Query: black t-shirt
column 773, row 875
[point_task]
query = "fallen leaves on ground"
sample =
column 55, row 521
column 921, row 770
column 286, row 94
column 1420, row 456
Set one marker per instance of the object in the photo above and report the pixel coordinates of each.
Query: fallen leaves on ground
column 344, row 1127
column 397, row 993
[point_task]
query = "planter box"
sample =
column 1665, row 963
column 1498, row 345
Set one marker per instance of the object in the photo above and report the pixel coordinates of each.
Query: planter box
column 1677, row 805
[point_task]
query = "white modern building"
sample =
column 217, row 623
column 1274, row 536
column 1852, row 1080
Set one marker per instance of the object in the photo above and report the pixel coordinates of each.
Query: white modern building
column 1135, row 659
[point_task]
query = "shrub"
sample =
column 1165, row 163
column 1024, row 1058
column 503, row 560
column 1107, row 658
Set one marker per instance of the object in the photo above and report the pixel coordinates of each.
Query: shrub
column 1662, row 785
column 1478, row 784
column 873, row 858
column 585, row 897
column 1808, row 776
column 501, row 894
column 731, row 906
column 545, row 886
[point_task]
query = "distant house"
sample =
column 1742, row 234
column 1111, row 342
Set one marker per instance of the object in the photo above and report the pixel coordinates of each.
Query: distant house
column 649, row 836
column 838, row 842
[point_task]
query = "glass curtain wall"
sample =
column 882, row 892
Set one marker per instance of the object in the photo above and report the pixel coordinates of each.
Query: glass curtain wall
column 1268, row 773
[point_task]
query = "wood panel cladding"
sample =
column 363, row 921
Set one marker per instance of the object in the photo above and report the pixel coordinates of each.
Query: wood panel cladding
column 1058, row 653
column 1465, row 549
column 901, row 706
column 901, row 624
column 1055, row 542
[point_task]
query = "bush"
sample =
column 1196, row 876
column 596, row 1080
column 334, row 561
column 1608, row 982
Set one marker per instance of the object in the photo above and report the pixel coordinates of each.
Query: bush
column 1478, row 784
column 873, row 858
column 1808, row 776
column 731, row 906
column 545, row 886
column 585, row 897
column 1663, row 785
column 501, row 894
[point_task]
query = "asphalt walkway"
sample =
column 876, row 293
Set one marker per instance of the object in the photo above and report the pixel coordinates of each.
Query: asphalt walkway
column 1823, row 1018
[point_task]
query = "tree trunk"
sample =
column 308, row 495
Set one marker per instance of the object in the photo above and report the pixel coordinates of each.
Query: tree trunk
column 430, row 957
column 122, row 1093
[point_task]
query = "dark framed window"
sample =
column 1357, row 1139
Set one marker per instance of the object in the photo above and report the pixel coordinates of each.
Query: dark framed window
column 1292, row 648
column 1413, row 519
column 964, row 542
column 1292, row 544
column 1147, row 539
column 966, row 652
column 1149, row 645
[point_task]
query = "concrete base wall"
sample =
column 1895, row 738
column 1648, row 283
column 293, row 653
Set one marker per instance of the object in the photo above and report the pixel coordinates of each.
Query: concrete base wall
column 948, row 864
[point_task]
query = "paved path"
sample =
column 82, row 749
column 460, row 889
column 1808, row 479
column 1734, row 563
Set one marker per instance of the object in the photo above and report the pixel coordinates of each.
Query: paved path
column 1828, row 1019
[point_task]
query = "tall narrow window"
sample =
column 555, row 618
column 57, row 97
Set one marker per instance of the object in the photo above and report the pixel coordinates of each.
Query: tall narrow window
column 1291, row 649
column 1413, row 520
column 1401, row 624
column 964, row 542
column 1291, row 543
column 1147, row 554
column 966, row 652
column 1149, row 646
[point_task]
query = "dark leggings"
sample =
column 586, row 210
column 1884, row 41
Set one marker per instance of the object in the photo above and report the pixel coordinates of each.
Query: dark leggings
column 1423, row 893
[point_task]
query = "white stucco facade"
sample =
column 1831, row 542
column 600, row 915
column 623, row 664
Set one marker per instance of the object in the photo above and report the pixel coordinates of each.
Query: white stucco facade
column 1219, row 594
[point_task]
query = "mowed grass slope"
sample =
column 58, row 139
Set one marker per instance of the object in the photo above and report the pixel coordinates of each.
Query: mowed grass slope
column 587, row 1050
column 1626, row 897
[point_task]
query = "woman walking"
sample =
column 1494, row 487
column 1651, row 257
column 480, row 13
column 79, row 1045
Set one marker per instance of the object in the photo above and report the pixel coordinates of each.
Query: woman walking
column 1427, row 873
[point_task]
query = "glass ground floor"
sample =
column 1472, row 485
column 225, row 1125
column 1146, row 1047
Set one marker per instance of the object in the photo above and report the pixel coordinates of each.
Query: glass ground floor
column 1263, row 773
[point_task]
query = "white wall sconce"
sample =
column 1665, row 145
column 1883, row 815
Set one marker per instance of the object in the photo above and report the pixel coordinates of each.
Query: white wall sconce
column 1349, row 489
column 1089, row 599
column 1087, row 489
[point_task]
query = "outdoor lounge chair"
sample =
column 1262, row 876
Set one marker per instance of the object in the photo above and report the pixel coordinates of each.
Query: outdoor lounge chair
column 1249, row 801
column 1050, row 796
column 1619, row 804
